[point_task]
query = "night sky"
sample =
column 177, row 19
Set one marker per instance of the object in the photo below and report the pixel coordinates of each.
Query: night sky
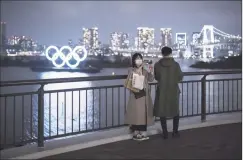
column 54, row 22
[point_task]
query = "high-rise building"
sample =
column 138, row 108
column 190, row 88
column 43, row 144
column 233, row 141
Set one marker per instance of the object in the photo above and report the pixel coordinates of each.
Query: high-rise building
column 136, row 42
column 166, row 37
column 181, row 40
column 125, row 41
column 119, row 40
column 25, row 43
column 195, row 38
column 14, row 40
column 145, row 37
column 3, row 35
column 90, row 38
column 115, row 40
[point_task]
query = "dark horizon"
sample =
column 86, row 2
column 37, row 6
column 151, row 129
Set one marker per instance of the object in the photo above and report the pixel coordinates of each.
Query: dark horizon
column 62, row 20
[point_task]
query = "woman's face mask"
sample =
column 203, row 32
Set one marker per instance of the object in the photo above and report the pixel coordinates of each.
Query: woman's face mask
column 138, row 62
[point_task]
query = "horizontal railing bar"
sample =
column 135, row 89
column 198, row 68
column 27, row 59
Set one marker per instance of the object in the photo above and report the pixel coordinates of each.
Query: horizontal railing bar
column 220, row 112
column 18, row 94
column 184, row 81
column 103, row 87
column 213, row 80
column 99, row 78
column 118, row 86
column 83, row 89
column 191, row 81
column 108, row 87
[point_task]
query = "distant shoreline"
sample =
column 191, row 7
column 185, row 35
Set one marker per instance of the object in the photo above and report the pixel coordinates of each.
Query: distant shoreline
column 223, row 63
column 98, row 63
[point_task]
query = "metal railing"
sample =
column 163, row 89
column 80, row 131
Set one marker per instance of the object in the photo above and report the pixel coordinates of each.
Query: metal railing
column 46, row 114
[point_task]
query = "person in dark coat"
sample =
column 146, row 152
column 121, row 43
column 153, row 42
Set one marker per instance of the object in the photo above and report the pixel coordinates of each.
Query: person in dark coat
column 168, row 74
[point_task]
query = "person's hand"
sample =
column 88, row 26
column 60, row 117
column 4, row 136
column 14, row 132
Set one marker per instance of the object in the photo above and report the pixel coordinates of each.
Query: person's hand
column 151, row 68
column 148, row 67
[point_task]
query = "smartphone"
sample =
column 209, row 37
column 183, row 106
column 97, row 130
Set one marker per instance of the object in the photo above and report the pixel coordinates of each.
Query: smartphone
column 146, row 66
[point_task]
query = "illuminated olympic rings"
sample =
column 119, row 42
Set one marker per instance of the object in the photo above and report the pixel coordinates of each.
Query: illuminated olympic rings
column 66, row 58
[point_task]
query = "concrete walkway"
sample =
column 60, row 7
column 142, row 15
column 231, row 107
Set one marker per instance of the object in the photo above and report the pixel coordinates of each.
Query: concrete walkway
column 217, row 142
column 82, row 141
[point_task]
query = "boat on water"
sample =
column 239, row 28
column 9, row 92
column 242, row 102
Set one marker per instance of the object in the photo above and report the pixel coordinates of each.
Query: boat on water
column 88, row 69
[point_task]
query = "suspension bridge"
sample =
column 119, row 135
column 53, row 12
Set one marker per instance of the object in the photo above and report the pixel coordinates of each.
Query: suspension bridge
column 211, row 37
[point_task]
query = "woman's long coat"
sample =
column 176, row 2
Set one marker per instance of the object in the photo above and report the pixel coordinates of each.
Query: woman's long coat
column 140, row 111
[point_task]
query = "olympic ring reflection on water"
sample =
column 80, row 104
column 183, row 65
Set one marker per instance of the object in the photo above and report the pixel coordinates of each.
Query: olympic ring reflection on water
column 66, row 58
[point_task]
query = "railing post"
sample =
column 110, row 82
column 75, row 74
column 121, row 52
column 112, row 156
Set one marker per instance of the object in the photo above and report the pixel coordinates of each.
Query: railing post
column 41, row 116
column 203, row 98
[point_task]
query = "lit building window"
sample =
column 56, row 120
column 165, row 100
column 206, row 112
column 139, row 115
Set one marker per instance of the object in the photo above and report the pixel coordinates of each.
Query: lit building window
column 145, row 37
column 119, row 40
column 90, row 38
column 166, row 37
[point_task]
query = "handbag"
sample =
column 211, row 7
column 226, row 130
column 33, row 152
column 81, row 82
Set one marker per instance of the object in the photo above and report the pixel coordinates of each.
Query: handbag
column 140, row 94
column 128, row 84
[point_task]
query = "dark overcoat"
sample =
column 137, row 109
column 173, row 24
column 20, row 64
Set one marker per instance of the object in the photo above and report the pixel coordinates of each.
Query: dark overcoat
column 168, row 74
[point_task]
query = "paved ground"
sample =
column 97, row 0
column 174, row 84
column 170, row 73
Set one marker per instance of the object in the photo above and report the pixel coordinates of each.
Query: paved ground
column 218, row 142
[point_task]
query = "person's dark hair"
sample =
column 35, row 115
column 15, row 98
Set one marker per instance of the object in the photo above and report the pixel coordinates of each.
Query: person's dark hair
column 166, row 51
column 134, row 57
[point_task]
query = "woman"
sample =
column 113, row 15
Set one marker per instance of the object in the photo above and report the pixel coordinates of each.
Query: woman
column 139, row 111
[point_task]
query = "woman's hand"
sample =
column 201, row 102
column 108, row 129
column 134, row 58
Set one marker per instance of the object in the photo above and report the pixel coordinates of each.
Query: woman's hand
column 147, row 67
column 151, row 69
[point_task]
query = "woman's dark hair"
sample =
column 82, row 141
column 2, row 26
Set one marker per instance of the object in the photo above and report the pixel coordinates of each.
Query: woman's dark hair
column 134, row 57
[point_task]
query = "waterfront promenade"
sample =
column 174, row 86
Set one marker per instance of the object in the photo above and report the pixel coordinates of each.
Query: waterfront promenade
column 43, row 123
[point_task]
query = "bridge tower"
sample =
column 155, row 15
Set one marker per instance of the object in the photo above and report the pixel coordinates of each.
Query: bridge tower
column 208, row 40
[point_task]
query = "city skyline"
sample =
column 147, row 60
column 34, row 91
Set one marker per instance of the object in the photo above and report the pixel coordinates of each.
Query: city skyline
column 225, row 15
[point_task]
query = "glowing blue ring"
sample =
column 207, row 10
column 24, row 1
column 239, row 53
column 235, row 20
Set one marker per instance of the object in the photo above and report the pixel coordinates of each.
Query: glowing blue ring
column 83, row 50
column 62, row 56
column 47, row 52
column 74, row 55
column 72, row 65
column 69, row 49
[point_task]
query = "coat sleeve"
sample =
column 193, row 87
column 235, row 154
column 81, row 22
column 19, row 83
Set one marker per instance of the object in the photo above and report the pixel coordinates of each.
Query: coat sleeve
column 150, row 77
column 129, row 72
column 179, row 72
column 129, row 75
column 156, row 75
